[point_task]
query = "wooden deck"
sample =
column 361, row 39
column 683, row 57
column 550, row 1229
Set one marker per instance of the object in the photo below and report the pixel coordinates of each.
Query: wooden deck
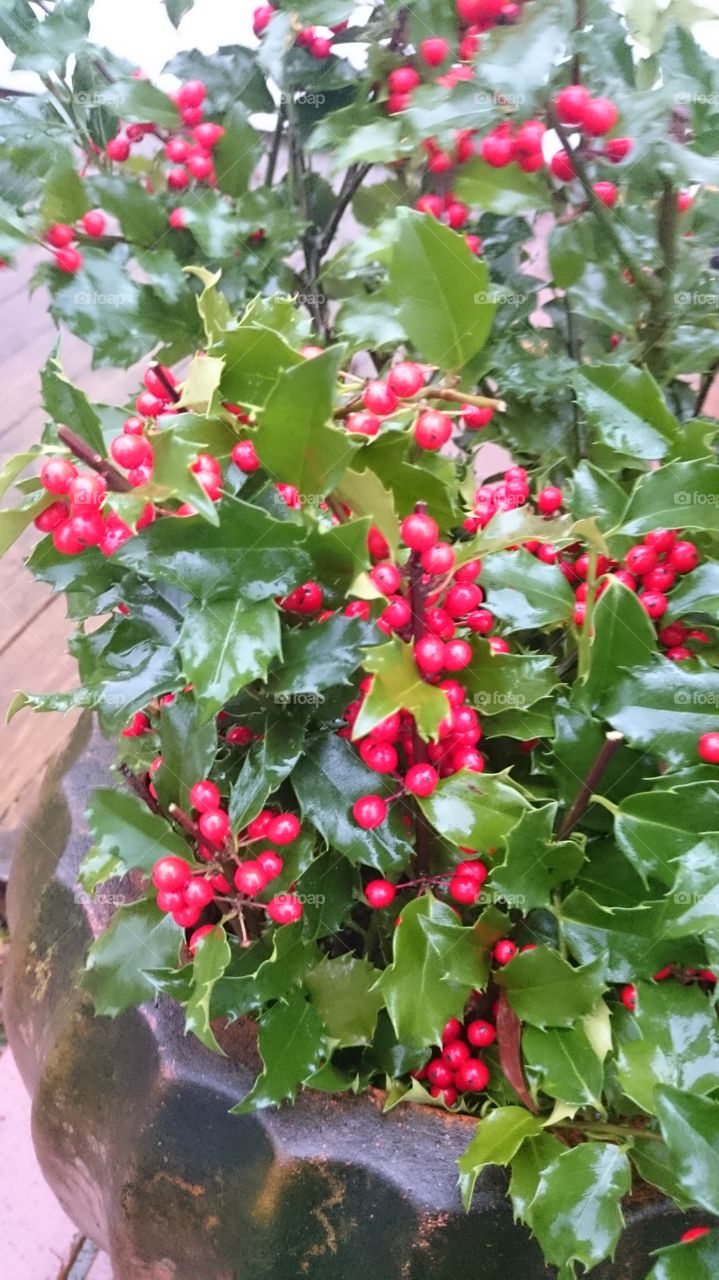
column 33, row 627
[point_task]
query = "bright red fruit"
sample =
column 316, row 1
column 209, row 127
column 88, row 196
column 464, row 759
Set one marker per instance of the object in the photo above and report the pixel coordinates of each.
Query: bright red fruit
column 432, row 429
column 191, row 94
column 504, row 951
column 464, row 889
column 405, row 379
column 68, row 260
column 204, row 796
column 438, row 559
column 628, row 997
column 617, row 149
column 497, row 149
column 56, row 475
column 244, row 456
column 475, row 416
column 419, row 532
column 379, row 398
column 386, row 577
column 693, row 1234
column 606, row 192
column 421, row 779
column 549, row 500
column 481, row 1033
column 284, row 909
column 369, row 811
column 283, row 829
column 433, row 51
column 562, row 167
column 599, row 116
column 198, row 893
column 198, row 935
column 130, row 451
column 250, row 878
column 215, row 826
column 472, row 1076
column 684, row 557
column 571, row 103
column 403, row 80
column 171, row 874
column 380, row 893
column 708, row 747
column 59, row 235
column 118, row 149
column 363, row 423
column 429, row 654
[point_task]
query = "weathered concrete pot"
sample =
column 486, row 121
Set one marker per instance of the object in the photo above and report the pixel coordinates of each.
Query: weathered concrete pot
column 131, row 1124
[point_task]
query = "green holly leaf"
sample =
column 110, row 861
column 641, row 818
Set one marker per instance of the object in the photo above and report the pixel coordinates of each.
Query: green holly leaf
column 691, row 1260
column 664, row 708
column 507, row 528
column 249, row 554
column 562, row 1063
column 576, row 1212
column 225, row 645
column 211, row 959
column 625, row 408
column 690, row 1128
column 345, row 995
column 135, row 99
column 320, row 656
column 655, row 1165
column 436, row 962
column 69, row 406
column 655, row 829
column 140, row 214
column 623, row 637
column 213, row 307
column 524, row 592
column 475, row 810
column 534, row 863
column 126, row 835
column 340, row 554
column 15, row 520
column 397, row 685
column 327, row 781
column 293, row 440
column 671, row 1039
column 265, row 973
column 139, row 937
column 595, row 495
column 269, row 760
column 696, row 592
column 237, row 153
column 506, row 191
column 256, row 360
column 624, row 941
column 546, row 991
column 292, row 1045
column 681, row 493
column 498, row 1138
column 530, row 1161
column 188, row 748
column 441, row 291
column 498, row 683
column 367, row 496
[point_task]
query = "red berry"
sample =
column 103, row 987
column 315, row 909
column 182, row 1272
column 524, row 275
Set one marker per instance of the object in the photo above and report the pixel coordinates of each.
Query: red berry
column 452, row 1031
column 599, row 116
column 421, row 779
column 464, row 889
column 363, row 423
column 562, row 167
column 271, row 863
column 403, row 80
column 462, row 598
column 439, row 1073
column 429, row 654
column 284, row 909
column 59, row 235
column 617, row 149
column 130, row 451
column 208, row 135
column 369, row 811
column 504, row 951
column 662, row 540
column 386, row 577
column 708, row 747
column 438, row 559
column 118, row 149
column 481, row 1033
column 245, row 457
column 693, row 1234
column 204, row 796
column 171, row 874
column 170, row 902
column 660, row 579
column 628, row 996
column 654, row 602
column 283, row 829
column 433, row 51
column 68, row 260
column 198, row 892
column 641, row 559
column 87, row 492
column 51, row 517
column 200, row 166
column 432, row 429
column 684, row 557
column 186, row 916
column 571, row 103
column 57, row 474
column 405, row 379
column 606, row 192
column 261, row 18
column 380, row 893
column 215, row 826
column 178, row 179
column 481, row 621
column 379, row 398
column 178, row 219
column 684, row 201
column 497, row 149
column 549, row 500
column 397, row 614
column 419, row 532
column 191, row 94
column 475, row 416
column 149, row 406
column 250, row 878
column 257, row 828
column 468, row 758
column 455, row 1053
column 388, row 730
column 457, row 654
column 177, row 150
column 497, row 644
column 430, row 204
column 472, row 1076
column 88, row 527
column 473, row 868
column 198, row 935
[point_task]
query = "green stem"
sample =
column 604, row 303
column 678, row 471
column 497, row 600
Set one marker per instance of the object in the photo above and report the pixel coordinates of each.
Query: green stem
column 602, row 1130
column 659, row 319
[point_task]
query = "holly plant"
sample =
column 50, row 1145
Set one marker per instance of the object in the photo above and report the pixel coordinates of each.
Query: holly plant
column 418, row 742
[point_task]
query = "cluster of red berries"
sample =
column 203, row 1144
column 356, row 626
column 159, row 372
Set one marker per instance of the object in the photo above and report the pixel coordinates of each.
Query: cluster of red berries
column 507, row 494
column 316, row 40
column 184, row 892
column 60, row 237
column 382, row 398
column 463, row 883
column 628, row 993
column 457, row 1068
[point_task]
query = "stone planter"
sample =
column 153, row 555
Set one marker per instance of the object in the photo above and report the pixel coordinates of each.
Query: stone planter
column 131, row 1124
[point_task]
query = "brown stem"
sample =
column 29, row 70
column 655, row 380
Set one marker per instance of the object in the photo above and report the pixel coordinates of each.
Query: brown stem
column 185, row 821
column 140, row 787
column 162, row 377
column 112, row 477
column 275, row 148
column 348, row 408
column 456, row 397
column 353, row 180
column 580, row 21
column 644, row 283
column 611, row 744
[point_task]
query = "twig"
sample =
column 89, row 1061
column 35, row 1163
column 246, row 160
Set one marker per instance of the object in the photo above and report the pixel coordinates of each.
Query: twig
column 162, row 377
column 643, row 282
column 275, row 148
column 453, row 396
column 140, row 788
column 353, row 180
column 611, row 744
column 660, row 312
column 82, row 450
column 185, row 821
